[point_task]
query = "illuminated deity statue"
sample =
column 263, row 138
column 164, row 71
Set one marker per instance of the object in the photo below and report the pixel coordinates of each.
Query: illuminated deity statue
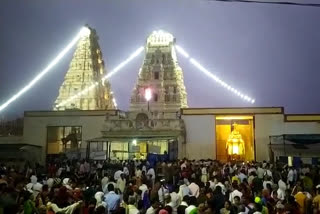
column 235, row 143
column 86, row 68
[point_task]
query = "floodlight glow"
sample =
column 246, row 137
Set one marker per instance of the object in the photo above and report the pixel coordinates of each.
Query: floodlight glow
column 160, row 37
column 85, row 31
column 182, row 51
column 115, row 70
column 134, row 142
column 148, row 94
column 214, row 77
column 114, row 102
column 125, row 62
column 221, row 82
column 45, row 71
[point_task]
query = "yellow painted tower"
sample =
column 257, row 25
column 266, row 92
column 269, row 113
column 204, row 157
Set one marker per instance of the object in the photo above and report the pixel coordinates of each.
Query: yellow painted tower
column 86, row 68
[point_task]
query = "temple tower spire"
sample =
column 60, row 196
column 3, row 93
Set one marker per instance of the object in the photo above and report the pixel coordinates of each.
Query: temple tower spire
column 86, row 68
column 161, row 74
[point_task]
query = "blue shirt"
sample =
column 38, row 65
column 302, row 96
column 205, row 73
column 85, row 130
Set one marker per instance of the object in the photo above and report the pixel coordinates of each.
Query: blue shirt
column 112, row 200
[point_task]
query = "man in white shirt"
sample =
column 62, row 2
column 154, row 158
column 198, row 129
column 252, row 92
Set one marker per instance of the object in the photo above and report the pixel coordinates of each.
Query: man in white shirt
column 290, row 177
column 234, row 193
column 131, row 207
column 174, row 202
column 223, row 187
column 260, row 172
column 105, row 189
column 183, row 165
column 204, row 176
column 183, row 189
column 213, row 183
column 242, row 176
column 138, row 172
column 192, row 205
column 143, row 189
column 104, row 181
column 305, row 170
column 266, row 182
column 98, row 196
column 152, row 173
column 251, row 177
column 144, row 169
column 153, row 208
column 162, row 192
column 295, row 174
column 126, row 171
column 121, row 183
column 268, row 171
column 281, row 190
column 117, row 175
column 252, row 169
column 194, row 188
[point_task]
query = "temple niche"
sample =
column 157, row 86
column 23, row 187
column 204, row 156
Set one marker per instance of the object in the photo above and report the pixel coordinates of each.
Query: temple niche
column 162, row 74
column 235, row 138
column 86, row 68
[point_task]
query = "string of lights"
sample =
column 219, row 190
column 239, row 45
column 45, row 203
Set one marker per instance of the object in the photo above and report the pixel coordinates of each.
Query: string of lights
column 214, row 77
column 115, row 103
column 84, row 31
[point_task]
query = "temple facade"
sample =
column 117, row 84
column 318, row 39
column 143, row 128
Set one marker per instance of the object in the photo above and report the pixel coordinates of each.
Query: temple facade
column 86, row 69
column 161, row 76
column 158, row 123
column 196, row 133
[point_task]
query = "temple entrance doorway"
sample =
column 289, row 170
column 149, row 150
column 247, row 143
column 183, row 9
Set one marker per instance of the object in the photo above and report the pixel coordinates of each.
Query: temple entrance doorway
column 235, row 138
column 132, row 149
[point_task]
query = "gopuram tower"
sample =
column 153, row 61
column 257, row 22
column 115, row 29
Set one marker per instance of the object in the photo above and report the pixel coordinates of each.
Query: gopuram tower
column 160, row 86
column 86, row 68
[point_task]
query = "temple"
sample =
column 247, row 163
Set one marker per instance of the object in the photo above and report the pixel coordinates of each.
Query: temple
column 158, row 123
column 161, row 76
column 86, row 69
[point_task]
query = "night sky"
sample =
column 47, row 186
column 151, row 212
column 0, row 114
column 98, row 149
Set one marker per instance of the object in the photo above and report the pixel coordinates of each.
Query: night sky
column 270, row 52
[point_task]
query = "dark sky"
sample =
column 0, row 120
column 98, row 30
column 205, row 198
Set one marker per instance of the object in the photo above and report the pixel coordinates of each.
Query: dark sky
column 271, row 52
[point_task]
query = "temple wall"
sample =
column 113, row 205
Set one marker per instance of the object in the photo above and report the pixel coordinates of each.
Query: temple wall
column 266, row 125
column 35, row 127
column 200, row 130
column 200, row 143
column 201, row 137
column 302, row 128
